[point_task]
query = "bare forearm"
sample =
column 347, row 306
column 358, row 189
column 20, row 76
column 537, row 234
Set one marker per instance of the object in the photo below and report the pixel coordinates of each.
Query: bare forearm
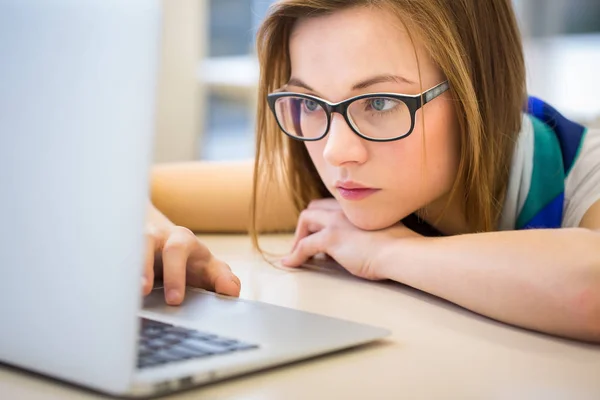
column 203, row 196
column 213, row 197
column 546, row 280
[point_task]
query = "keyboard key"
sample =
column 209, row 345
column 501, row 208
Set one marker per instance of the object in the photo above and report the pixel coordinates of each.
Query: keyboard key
column 204, row 346
column 202, row 335
column 223, row 342
column 192, row 353
column 174, row 330
column 145, row 353
column 153, row 332
column 172, row 339
column 157, row 344
column 180, row 353
column 166, row 356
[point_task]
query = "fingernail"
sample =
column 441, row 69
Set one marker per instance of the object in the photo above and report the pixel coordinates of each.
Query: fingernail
column 172, row 296
column 285, row 260
column 144, row 281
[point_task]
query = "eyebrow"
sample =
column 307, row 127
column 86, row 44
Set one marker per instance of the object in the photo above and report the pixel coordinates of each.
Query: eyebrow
column 360, row 85
column 381, row 79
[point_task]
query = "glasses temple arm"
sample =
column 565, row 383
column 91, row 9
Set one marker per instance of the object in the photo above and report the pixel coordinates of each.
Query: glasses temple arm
column 435, row 92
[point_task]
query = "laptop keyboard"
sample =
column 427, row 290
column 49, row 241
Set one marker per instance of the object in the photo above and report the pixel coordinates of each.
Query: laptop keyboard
column 162, row 343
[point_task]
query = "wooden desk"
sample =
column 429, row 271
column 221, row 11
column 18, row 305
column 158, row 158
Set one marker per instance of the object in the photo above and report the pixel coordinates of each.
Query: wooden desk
column 437, row 350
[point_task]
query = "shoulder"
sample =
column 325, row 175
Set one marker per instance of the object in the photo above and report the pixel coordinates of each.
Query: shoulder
column 552, row 158
column 582, row 185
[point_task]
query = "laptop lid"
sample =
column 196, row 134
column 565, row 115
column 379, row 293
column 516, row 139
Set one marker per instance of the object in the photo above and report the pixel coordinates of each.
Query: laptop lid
column 77, row 90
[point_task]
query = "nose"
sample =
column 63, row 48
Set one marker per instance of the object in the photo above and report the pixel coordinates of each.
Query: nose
column 343, row 145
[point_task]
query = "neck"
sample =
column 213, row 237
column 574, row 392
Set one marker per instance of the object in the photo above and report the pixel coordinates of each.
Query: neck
column 447, row 217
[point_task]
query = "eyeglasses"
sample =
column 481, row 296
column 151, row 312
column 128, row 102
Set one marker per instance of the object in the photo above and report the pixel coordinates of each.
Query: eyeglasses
column 378, row 117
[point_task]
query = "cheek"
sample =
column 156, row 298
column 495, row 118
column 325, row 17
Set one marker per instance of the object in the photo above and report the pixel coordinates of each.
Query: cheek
column 315, row 151
column 423, row 166
column 442, row 141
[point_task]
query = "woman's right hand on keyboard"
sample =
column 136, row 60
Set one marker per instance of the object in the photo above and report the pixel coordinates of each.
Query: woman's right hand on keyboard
column 176, row 255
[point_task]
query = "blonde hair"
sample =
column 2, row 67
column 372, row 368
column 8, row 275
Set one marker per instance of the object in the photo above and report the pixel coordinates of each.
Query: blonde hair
column 475, row 43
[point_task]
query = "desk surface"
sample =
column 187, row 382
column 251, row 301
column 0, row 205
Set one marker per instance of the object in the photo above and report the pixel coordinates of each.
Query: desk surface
column 437, row 350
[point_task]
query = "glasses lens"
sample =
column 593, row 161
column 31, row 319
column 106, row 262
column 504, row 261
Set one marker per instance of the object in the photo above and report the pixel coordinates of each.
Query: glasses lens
column 301, row 117
column 380, row 117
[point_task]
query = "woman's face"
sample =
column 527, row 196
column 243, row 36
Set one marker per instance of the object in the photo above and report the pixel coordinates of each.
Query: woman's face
column 359, row 51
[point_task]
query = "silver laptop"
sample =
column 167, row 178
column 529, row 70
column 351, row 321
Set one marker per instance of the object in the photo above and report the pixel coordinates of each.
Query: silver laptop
column 77, row 93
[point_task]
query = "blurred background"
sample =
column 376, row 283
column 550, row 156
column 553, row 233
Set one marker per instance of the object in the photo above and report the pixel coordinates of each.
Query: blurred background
column 207, row 87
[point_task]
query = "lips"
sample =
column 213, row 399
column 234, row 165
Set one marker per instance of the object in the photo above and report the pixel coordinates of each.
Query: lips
column 354, row 191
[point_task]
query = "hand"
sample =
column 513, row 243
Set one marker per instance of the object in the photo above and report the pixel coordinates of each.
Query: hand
column 175, row 254
column 323, row 228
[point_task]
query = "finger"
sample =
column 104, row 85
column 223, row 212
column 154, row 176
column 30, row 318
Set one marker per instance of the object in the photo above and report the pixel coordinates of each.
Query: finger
column 175, row 257
column 228, row 285
column 324, row 204
column 309, row 222
column 148, row 277
column 308, row 247
column 215, row 276
column 207, row 272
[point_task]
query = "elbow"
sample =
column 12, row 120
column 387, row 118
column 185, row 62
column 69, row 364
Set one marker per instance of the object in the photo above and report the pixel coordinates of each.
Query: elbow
column 591, row 323
column 587, row 305
column 585, row 317
column 594, row 314
column 594, row 317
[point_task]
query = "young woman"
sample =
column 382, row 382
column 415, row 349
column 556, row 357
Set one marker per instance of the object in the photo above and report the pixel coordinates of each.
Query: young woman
column 396, row 136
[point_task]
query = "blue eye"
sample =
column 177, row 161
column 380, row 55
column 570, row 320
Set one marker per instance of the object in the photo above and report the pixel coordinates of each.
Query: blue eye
column 378, row 104
column 382, row 104
column 311, row 105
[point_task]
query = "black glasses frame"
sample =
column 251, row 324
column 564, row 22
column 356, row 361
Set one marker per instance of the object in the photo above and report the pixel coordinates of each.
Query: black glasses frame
column 413, row 102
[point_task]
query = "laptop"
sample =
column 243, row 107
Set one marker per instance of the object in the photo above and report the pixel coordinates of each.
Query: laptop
column 77, row 98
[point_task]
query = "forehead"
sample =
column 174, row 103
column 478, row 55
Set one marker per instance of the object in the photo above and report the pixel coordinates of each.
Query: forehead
column 351, row 44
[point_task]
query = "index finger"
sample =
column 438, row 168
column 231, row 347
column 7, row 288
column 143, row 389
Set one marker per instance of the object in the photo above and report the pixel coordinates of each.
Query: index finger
column 175, row 258
column 310, row 222
column 216, row 276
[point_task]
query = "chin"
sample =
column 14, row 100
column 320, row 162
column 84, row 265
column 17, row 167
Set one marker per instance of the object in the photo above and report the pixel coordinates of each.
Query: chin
column 369, row 219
